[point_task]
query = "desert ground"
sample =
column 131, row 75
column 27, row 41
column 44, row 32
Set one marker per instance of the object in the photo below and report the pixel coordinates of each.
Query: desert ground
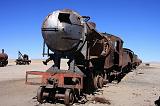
column 141, row 87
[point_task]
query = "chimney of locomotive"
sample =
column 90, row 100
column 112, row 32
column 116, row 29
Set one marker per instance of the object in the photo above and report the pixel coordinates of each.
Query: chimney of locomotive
column 2, row 50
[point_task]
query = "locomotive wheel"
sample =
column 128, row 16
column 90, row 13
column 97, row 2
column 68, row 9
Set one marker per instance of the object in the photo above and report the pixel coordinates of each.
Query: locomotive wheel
column 100, row 82
column 69, row 97
column 40, row 92
column 6, row 62
column 95, row 82
column 0, row 63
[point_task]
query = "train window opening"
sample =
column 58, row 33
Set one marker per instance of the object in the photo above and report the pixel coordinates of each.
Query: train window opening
column 117, row 45
column 64, row 17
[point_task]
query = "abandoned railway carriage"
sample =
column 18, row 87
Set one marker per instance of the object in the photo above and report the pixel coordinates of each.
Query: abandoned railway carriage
column 93, row 57
column 3, row 59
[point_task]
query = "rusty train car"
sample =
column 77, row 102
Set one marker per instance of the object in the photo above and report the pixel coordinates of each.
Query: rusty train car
column 136, row 61
column 94, row 58
column 3, row 59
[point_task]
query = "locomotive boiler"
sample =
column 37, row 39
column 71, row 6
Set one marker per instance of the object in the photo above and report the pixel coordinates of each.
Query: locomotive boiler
column 3, row 59
column 93, row 57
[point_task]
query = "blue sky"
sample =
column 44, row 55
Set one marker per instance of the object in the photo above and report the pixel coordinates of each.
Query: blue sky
column 137, row 22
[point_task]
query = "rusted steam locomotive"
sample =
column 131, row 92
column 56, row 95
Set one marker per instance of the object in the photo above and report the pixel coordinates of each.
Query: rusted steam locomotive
column 23, row 59
column 94, row 57
column 3, row 59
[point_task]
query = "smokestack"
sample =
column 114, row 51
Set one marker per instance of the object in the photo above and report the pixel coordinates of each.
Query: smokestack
column 2, row 50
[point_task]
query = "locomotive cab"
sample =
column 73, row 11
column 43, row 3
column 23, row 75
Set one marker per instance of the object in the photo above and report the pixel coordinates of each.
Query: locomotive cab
column 118, row 44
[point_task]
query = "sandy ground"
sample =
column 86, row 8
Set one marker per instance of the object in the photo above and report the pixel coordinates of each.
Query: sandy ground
column 141, row 87
column 12, row 71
